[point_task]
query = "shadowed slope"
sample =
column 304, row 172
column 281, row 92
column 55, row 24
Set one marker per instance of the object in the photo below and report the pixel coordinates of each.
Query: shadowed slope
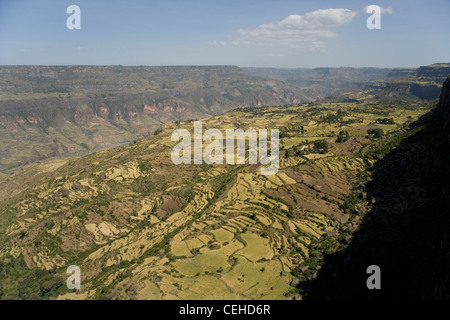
column 407, row 231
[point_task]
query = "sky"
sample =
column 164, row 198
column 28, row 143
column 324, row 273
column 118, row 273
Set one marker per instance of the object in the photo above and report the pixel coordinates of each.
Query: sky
column 246, row 33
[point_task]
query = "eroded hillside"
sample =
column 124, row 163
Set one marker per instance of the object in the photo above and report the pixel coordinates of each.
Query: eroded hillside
column 50, row 111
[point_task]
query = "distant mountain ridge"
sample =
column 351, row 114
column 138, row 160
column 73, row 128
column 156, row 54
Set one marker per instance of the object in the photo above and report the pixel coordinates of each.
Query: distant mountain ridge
column 424, row 82
column 322, row 82
column 52, row 110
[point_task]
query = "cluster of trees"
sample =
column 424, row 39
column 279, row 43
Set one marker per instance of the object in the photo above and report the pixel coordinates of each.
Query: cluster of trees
column 376, row 133
column 321, row 146
column 30, row 285
column 290, row 130
column 294, row 151
column 343, row 136
column 335, row 118
column 385, row 121
column 331, row 118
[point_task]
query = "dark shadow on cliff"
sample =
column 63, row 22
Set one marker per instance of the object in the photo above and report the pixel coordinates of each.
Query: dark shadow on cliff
column 407, row 231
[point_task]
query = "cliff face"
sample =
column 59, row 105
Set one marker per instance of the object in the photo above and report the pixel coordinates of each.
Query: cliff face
column 402, row 72
column 434, row 71
column 443, row 108
column 406, row 231
column 424, row 82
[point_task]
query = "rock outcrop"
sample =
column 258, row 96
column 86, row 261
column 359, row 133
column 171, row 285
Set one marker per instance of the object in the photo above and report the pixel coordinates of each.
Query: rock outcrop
column 424, row 82
column 443, row 107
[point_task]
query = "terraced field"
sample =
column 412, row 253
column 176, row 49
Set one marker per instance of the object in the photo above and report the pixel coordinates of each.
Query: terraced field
column 140, row 227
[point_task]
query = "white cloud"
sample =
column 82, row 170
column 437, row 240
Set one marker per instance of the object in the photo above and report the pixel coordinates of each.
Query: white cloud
column 215, row 43
column 388, row 11
column 298, row 31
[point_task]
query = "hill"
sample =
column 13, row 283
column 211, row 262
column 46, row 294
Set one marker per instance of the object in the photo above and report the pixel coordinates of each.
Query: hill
column 140, row 227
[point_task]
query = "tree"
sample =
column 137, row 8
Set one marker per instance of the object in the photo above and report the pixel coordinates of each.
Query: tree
column 289, row 153
column 386, row 121
column 377, row 133
column 343, row 136
column 321, row 146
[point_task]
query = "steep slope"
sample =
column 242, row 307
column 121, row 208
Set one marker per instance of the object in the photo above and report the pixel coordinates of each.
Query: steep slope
column 443, row 108
column 406, row 232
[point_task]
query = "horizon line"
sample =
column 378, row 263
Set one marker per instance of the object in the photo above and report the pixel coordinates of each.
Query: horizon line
column 214, row 65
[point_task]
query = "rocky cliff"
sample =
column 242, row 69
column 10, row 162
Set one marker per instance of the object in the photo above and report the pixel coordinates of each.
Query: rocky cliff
column 443, row 108
column 424, row 82
column 437, row 71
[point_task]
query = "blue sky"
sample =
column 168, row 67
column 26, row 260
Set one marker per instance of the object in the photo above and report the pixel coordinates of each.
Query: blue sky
column 246, row 33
